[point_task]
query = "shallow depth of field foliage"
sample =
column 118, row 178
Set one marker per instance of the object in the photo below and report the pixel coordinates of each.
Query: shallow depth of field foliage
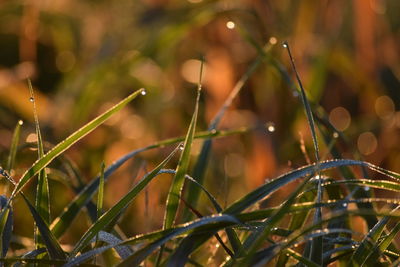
column 174, row 133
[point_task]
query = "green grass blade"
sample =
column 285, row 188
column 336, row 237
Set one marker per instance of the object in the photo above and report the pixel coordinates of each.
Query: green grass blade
column 317, row 244
column 100, row 195
column 53, row 247
column 159, row 238
column 296, row 222
column 176, row 187
column 300, row 258
column 205, row 224
column 42, row 203
column 123, row 251
column 6, row 225
column 373, row 257
column 69, row 141
column 61, row 223
column 14, row 146
column 202, row 161
column 109, row 216
column 200, row 167
column 262, row 191
column 271, row 222
column 365, row 246
column 183, row 165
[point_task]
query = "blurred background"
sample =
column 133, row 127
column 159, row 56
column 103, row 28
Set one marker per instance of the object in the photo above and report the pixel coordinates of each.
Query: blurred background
column 84, row 56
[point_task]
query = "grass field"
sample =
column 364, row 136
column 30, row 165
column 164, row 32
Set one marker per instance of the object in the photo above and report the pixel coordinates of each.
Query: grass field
column 179, row 133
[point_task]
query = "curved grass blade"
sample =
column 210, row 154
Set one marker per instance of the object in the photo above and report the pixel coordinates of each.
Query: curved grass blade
column 61, row 223
column 159, row 237
column 183, row 165
column 105, row 220
column 296, row 222
column 42, row 203
column 123, row 251
column 217, row 236
column 282, row 180
column 317, row 244
column 373, row 257
column 14, row 146
column 6, row 225
column 53, row 247
column 69, row 141
column 31, row 255
column 183, row 229
column 212, row 199
column 271, row 222
column 366, row 246
column 300, row 258
column 100, row 195
column 205, row 224
column 181, row 255
column 176, row 187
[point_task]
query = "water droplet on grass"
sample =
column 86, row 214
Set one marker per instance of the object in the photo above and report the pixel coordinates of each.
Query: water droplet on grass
column 20, row 122
column 230, row 25
column 335, row 135
column 270, row 126
column 285, row 45
column 143, row 91
column 181, row 146
column 31, row 99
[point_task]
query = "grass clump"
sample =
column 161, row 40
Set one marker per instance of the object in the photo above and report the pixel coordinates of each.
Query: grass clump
column 312, row 226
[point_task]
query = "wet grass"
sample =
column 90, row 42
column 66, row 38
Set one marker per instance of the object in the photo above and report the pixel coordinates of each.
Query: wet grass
column 313, row 226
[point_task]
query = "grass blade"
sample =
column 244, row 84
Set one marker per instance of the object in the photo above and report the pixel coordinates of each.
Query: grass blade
column 42, row 203
column 100, row 195
column 158, row 238
column 373, row 257
column 183, row 165
column 272, row 221
column 176, row 187
column 69, row 141
column 262, row 191
column 317, row 244
column 6, row 225
column 61, row 223
column 108, row 216
column 14, row 146
column 53, row 247
column 202, row 161
column 205, row 224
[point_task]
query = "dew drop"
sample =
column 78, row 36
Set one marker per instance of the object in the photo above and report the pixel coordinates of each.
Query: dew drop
column 285, row 45
column 344, row 205
column 20, row 122
column 230, row 25
column 31, row 99
column 143, row 91
column 270, row 126
column 335, row 135
column 181, row 146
